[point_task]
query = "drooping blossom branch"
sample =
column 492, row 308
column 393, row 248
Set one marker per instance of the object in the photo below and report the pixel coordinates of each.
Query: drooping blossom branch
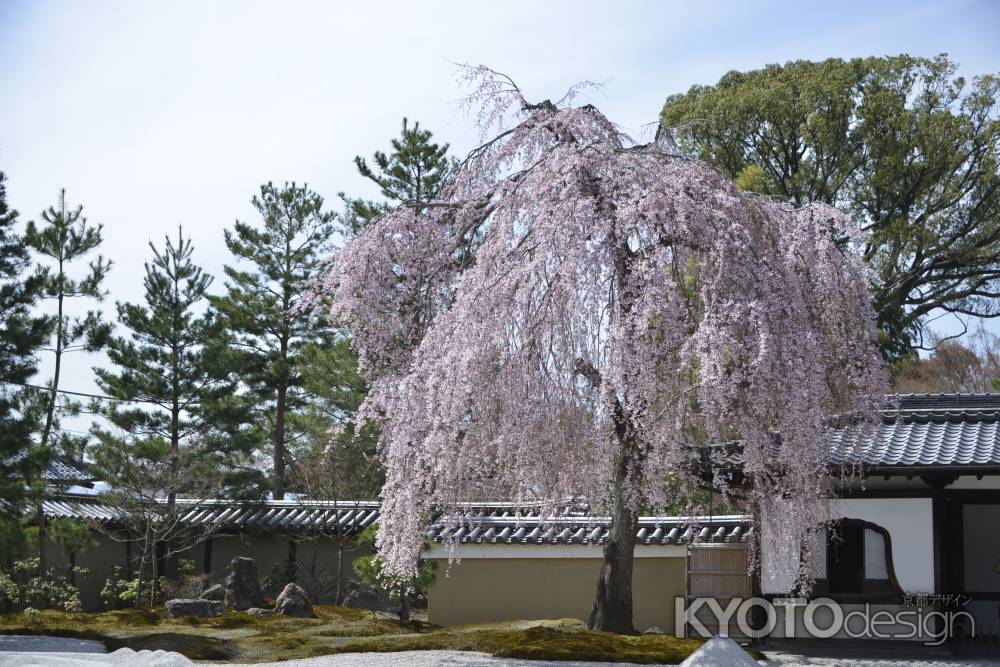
column 575, row 313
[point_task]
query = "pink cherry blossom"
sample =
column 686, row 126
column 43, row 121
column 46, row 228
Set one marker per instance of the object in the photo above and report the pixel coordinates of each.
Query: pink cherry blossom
column 576, row 312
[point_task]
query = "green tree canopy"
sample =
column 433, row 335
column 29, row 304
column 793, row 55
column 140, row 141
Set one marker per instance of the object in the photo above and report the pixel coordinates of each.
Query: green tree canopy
column 345, row 465
column 64, row 239
column 338, row 461
column 171, row 374
column 905, row 145
column 260, row 307
column 411, row 174
column 22, row 334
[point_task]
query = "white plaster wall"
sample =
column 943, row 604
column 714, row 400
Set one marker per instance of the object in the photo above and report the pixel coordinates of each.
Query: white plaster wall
column 910, row 523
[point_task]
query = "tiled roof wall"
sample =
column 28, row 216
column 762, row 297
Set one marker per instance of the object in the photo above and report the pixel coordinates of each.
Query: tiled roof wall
column 939, row 443
column 588, row 530
column 927, row 430
column 318, row 516
column 494, row 523
column 55, row 471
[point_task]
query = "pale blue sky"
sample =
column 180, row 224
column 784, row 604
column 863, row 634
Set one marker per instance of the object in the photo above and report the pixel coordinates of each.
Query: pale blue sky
column 157, row 114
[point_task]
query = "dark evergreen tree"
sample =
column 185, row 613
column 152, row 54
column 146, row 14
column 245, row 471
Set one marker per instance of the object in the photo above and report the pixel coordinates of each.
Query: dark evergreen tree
column 260, row 309
column 904, row 145
column 22, row 334
column 410, row 174
column 339, row 462
column 171, row 373
column 346, row 466
column 177, row 420
column 65, row 238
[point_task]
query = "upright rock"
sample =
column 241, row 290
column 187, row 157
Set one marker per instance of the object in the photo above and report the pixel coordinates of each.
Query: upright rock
column 242, row 585
column 293, row 601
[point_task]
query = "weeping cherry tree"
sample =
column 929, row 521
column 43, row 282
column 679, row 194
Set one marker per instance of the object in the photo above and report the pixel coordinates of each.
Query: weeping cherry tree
column 575, row 312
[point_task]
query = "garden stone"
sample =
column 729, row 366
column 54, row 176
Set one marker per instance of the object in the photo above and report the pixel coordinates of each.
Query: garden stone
column 257, row 611
column 214, row 592
column 196, row 607
column 243, row 586
column 293, row 601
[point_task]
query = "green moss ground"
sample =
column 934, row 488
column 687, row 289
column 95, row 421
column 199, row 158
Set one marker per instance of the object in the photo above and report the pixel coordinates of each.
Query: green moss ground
column 238, row 637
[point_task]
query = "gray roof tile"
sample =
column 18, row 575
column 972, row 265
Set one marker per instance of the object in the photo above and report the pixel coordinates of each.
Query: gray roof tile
column 487, row 527
column 289, row 514
column 927, row 430
column 930, row 430
column 56, row 471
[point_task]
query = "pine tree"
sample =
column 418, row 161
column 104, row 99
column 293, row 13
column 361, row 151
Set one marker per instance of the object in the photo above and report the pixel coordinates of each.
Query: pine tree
column 346, row 466
column 21, row 336
column 168, row 375
column 65, row 238
column 411, row 174
column 343, row 466
column 260, row 307
column 172, row 388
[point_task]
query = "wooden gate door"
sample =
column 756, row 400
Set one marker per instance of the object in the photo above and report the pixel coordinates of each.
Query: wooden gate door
column 717, row 571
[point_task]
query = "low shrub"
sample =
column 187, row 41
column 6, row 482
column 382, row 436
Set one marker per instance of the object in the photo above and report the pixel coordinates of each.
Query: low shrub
column 21, row 587
column 119, row 592
column 189, row 583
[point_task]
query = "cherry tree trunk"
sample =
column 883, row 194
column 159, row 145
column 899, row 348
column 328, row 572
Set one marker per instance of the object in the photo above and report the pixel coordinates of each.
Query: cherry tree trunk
column 612, row 610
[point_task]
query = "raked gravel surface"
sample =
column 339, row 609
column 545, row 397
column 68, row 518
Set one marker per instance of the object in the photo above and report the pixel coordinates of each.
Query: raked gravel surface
column 424, row 659
column 126, row 658
column 427, row 659
column 26, row 657
column 466, row 659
